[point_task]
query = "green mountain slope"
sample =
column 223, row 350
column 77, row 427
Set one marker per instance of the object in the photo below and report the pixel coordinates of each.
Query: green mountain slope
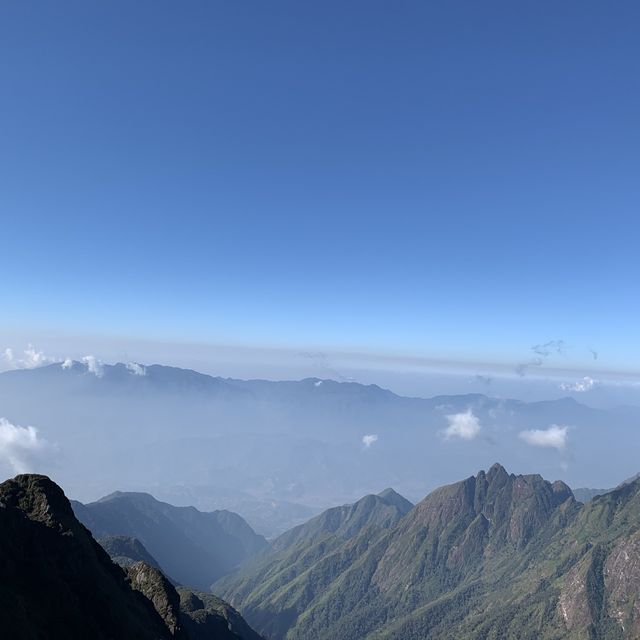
column 382, row 510
column 496, row 556
column 277, row 585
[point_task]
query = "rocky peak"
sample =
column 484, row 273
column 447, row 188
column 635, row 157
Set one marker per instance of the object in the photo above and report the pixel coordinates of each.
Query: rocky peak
column 155, row 587
column 39, row 499
column 56, row 577
column 496, row 474
column 515, row 507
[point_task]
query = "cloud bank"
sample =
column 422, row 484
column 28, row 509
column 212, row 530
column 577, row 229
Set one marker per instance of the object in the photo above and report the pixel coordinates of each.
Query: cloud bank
column 462, row 425
column 29, row 359
column 94, row 366
column 21, row 448
column 555, row 437
column 136, row 369
column 586, row 384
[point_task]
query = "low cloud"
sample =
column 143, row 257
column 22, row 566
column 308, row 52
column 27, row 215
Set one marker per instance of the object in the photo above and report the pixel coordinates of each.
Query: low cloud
column 30, row 358
column 462, row 425
column 555, row 437
column 586, row 384
column 369, row 439
column 94, row 365
column 136, row 369
column 21, row 448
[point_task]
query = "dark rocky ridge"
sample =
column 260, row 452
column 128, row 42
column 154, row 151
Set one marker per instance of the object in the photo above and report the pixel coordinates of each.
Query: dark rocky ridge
column 58, row 582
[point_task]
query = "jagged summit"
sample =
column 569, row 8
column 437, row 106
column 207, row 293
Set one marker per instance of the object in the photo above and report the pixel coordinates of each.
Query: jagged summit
column 511, row 508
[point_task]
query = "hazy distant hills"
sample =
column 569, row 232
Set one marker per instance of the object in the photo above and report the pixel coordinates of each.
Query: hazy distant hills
column 57, row 582
column 280, row 452
column 125, row 551
column 493, row 556
column 192, row 547
column 584, row 494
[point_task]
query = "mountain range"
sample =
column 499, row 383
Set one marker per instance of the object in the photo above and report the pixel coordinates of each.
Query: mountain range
column 278, row 453
column 495, row 556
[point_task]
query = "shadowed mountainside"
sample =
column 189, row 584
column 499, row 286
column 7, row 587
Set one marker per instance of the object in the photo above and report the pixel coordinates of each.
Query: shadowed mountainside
column 58, row 582
column 192, row 547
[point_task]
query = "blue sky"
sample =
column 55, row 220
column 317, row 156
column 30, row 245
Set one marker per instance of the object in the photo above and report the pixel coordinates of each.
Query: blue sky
column 450, row 179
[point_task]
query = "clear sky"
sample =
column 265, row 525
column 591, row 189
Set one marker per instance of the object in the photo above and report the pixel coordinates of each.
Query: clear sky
column 452, row 179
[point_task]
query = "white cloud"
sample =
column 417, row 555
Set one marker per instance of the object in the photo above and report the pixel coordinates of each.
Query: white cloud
column 555, row 437
column 462, row 425
column 94, row 366
column 30, row 358
column 21, row 448
column 67, row 364
column 586, row 384
column 369, row 439
column 136, row 369
column 317, row 383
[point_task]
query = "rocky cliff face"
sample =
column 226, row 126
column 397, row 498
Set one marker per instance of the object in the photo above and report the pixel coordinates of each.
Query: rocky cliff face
column 58, row 582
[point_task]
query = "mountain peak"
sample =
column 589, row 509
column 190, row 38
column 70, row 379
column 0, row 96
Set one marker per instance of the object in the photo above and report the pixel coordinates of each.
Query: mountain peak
column 39, row 498
column 128, row 495
column 496, row 473
column 60, row 580
column 392, row 497
column 515, row 507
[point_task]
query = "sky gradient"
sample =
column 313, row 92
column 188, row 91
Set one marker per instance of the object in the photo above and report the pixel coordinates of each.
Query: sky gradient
column 456, row 180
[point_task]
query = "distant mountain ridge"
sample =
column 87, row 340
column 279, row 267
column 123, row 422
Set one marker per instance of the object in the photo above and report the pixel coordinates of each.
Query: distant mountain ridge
column 193, row 547
column 277, row 452
column 125, row 551
column 584, row 494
